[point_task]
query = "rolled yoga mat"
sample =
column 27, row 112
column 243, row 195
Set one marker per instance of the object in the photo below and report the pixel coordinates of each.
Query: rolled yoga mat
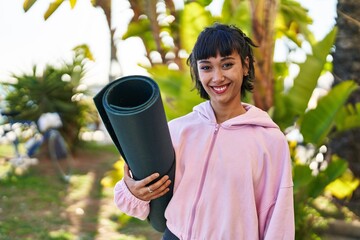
column 133, row 114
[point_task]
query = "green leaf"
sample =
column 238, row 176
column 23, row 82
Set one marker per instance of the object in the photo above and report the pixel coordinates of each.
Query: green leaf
column 305, row 83
column 73, row 3
column 301, row 177
column 176, row 90
column 28, row 4
column 204, row 3
column 137, row 28
column 344, row 186
column 170, row 83
column 333, row 171
column 318, row 122
column 193, row 18
column 85, row 50
column 348, row 117
column 52, row 8
column 141, row 28
column 293, row 104
column 279, row 110
column 293, row 19
column 237, row 13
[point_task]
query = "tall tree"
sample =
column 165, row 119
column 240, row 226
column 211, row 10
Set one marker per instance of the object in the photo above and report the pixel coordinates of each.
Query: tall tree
column 263, row 29
column 346, row 65
column 105, row 5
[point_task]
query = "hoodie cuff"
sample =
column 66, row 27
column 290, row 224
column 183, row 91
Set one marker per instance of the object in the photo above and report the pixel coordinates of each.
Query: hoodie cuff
column 128, row 203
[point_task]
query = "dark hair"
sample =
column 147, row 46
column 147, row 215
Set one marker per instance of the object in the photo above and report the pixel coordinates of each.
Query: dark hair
column 223, row 39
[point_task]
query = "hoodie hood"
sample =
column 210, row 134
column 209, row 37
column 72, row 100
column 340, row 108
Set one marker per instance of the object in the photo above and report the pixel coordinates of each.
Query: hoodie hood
column 253, row 116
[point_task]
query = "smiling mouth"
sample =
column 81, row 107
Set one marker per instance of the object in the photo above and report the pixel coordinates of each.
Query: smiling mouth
column 220, row 89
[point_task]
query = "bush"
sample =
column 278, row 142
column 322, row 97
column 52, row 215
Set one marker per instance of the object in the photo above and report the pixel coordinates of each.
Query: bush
column 59, row 89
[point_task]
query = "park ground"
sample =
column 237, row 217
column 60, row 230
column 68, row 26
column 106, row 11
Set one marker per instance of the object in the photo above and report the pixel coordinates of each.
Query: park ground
column 39, row 205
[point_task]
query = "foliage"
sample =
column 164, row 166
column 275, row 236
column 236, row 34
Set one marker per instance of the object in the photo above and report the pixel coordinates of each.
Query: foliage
column 290, row 110
column 15, row 167
column 307, row 187
column 293, row 103
column 291, row 20
column 54, row 5
column 344, row 186
column 314, row 172
column 318, row 123
column 114, row 175
column 176, row 91
column 348, row 117
column 171, row 32
column 58, row 89
column 38, row 205
column 316, row 127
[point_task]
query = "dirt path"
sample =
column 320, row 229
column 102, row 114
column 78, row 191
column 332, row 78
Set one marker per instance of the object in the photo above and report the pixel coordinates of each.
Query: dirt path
column 89, row 206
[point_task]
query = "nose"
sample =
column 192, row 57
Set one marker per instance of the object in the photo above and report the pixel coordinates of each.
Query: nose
column 218, row 76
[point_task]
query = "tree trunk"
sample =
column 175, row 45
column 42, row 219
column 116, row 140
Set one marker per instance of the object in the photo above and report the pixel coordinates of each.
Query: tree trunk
column 106, row 6
column 263, row 20
column 149, row 8
column 346, row 66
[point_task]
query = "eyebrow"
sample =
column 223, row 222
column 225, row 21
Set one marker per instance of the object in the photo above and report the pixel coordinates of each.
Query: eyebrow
column 221, row 60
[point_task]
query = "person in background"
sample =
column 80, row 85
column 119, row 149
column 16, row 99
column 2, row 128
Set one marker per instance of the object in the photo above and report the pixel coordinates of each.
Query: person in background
column 233, row 170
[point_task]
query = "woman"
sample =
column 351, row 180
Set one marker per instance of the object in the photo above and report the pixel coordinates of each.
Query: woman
column 233, row 170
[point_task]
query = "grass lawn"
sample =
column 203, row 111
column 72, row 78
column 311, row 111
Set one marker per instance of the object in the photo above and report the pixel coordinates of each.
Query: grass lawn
column 39, row 205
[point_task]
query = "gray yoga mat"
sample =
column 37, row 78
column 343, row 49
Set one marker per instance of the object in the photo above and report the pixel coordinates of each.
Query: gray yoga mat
column 133, row 114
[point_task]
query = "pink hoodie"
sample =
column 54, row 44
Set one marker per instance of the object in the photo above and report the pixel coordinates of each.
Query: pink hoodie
column 233, row 180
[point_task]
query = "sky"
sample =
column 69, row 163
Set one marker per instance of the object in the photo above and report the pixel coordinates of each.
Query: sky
column 27, row 40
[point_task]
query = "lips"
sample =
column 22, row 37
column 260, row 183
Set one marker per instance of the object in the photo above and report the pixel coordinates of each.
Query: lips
column 220, row 89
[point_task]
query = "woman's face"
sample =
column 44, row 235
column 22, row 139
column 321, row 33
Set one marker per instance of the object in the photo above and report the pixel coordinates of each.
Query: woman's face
column 222, row 77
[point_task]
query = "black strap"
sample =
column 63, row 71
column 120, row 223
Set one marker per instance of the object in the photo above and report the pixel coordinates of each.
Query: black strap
column 168, row 235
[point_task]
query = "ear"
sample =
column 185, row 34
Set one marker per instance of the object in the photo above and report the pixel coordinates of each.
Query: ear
column 246, row 66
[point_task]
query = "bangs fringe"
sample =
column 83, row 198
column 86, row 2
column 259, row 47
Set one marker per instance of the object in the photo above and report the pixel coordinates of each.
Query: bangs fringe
column 214, row 42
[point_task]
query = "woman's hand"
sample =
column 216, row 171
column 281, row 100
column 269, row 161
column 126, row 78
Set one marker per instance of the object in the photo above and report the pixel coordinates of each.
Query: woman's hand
column 142, row 190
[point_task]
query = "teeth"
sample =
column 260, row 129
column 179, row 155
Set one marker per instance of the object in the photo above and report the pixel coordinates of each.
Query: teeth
column 219, row 89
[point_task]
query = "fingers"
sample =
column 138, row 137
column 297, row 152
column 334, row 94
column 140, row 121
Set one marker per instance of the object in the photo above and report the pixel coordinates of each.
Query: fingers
column 126, row 170
column 155, row 190
column 160, row 184
column 145, row 181
column 159, row 188
column 160, row 194
column 146, row 189
column 150, row 178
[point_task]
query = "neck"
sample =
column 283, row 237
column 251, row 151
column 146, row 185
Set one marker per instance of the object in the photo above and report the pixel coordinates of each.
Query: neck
column 224, row 113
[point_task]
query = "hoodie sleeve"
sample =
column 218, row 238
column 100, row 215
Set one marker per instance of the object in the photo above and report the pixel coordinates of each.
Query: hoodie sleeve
column 128, row 203
column 277, row 222
column 279, row 219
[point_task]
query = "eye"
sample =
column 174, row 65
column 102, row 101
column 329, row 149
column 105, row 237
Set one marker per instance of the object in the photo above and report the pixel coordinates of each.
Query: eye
column 204, row 67
column 227, row 65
